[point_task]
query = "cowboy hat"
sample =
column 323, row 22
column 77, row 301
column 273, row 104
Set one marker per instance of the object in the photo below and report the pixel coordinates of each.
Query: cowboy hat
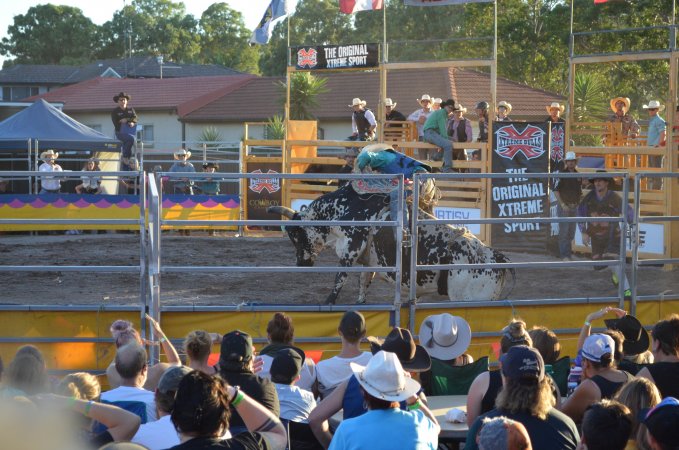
column 610, row 180
column 556, row 105
column 208, row 165
column 383, row 378
column 636, row 337
column 570, row 156
column 122, row 95
column 437, row 100
column 506, row 105
column 413, row 357
column 445, row 336
column 357, row 101
column 181, row 152
column 459, row 107
column 424, row 98
column 625, row 100
column 49, row 152
column 389, row 102
column 654, row 104
column 449, row 102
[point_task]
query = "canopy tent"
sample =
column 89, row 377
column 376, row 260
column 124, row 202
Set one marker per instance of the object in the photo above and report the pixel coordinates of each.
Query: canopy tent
column 52, row 129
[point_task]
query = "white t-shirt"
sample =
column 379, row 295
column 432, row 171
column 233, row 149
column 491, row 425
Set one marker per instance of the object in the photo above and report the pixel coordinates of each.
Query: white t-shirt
column 296, row 404
column 132, row 395
column 307, row 375
column 160, row 434
column 333, row 371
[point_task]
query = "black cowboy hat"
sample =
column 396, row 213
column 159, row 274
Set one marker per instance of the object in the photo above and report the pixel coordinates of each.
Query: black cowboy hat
column 122, row 95
column 636, row 337
column 413, row 357
column 211, row 164
column 609, row 180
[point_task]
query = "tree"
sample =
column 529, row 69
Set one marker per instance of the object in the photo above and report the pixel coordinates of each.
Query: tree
column 50, row 34
column 304, row 91
column 224, row 39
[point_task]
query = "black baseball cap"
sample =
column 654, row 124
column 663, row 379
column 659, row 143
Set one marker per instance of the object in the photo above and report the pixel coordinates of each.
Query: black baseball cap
column 286, row 365
column 522, row 363
column 236, row 348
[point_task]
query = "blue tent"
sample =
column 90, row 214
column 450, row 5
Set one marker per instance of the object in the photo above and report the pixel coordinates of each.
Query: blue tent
column 53, row 129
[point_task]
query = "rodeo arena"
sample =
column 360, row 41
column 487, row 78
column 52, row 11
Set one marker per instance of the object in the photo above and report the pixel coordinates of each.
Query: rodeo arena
column 506, row 280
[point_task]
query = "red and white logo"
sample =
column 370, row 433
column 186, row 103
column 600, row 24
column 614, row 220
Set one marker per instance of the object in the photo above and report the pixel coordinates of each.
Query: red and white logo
column 270, row 185
column 307, row 57
column 510, row 142
column 558, row 136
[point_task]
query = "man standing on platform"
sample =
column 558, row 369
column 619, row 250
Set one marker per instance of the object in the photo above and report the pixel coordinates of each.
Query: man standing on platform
column 363, row 122
column 392, row 114
column 629, row 127
column 50, row 185
column 436, row 132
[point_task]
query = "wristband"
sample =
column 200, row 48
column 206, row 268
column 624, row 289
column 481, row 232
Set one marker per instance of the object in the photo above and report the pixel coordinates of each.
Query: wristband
column 414, row 406
column 71, row 402
column 162, row 339
column 88, row 407
column 587, row 324
column 237, row 398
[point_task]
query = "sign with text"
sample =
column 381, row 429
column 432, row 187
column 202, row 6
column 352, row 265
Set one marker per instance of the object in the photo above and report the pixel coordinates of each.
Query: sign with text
column 451, row 213
column 263, row 192
column 520, row 148
column 337, row 56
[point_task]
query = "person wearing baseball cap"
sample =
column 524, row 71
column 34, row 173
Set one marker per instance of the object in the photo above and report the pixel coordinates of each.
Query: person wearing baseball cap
column 568, row 192
column 662, row 425
column 526, row 397
column 601, row 379
column 296, row 404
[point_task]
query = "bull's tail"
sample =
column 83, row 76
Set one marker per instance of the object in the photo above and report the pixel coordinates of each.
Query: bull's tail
column 507, row 288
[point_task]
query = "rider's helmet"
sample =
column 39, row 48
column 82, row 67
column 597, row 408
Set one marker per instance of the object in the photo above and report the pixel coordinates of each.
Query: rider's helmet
column 482, row 105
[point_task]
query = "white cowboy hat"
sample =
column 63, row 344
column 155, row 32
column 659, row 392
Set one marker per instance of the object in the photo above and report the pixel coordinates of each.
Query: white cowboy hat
column 182, row 152
column 556, row 105
column 445, row 336
column 437, row 100
column 357, row 101
column 424, row 98
column 384, row 378
column 570, row 156
column 506, row 105
column 459, row 107
column 49, row 152
column 654, row 104
column 389, row 102
column 625, row 100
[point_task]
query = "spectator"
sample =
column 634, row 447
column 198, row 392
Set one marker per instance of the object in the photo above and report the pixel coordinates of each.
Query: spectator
column 160, row 434
column 281, row 334
column 624, row 125
column 638, row 395
column 198, row 345
column 547, row 343
column 482, row 113
column 568, row 192
column 363, row 123
column 296, row 404
column 604, row 237
column 80, row 385
column 460, row 130
column 130, row 364
column 90, row 184
column 333, row 371
column 391, row 113
column 436, row 132
column 504, row 109
column 662, row 423
column 501, row 433
column 526, row 397
column 182, row 165
column 607, row 425
column 601, row 380
column 656, row 136
column 635, row 343
column 436, row 104
column 50, row 185
column 123, row 333
column 202, row 410
column 26, row 374
column 236, row 368
column 420, row 116
column 664, row 371
column 210, row 186
column 124, row 120
column 485, row 388
column 384, row 384
column 130, row 184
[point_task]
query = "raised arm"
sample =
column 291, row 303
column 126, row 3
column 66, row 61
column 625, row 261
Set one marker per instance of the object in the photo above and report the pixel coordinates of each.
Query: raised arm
column 258, row 419
column 329, row 406
column 168, row 348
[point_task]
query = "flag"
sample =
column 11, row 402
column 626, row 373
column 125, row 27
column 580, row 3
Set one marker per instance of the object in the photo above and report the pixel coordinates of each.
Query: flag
column 600, row 1
column 441, row 2
column 352, row 6
column 278, row 10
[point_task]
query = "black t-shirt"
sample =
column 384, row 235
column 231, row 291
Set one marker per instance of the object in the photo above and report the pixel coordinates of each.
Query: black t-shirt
column 260, row 389
column 118, row 114
column 396, row 115
column 570, row 189
column 244, row 441
column 665, row 376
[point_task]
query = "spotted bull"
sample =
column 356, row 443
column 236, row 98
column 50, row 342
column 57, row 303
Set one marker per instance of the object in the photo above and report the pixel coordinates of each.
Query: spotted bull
column 376, row 246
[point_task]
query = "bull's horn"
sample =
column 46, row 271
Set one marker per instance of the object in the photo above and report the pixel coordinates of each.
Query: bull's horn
column 282, row 210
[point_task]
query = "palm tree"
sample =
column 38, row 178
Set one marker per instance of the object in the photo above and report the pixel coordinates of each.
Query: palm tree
column 304, row 91
column 589, row 103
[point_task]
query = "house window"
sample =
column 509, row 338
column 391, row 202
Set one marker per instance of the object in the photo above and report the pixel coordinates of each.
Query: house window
column 15, row 93
column 145, row 134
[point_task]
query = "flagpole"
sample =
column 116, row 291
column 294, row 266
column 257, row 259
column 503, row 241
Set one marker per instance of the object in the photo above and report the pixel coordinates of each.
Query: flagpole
column 384, row 32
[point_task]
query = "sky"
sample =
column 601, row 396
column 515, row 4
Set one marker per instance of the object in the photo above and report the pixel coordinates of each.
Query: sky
column 100, row 11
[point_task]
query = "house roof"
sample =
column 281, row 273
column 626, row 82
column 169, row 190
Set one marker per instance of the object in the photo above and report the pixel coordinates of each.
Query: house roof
column 134, row 67
column 180, row 94
column 259, row 98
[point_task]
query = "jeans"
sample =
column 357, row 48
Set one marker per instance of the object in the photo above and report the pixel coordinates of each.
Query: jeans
column 128, row 141
column 566, row 231
column 433, row 137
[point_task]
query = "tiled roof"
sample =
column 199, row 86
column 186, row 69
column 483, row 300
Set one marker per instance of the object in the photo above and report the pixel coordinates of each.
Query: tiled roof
column 182, row 94
column 36, row 74
column 260, row 99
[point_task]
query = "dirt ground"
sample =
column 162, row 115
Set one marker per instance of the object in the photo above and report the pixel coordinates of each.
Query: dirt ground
column 91, row 288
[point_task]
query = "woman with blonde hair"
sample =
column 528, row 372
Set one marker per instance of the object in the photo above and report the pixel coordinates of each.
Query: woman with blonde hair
column 79, row 385
column 198, row 345
column 638, row 394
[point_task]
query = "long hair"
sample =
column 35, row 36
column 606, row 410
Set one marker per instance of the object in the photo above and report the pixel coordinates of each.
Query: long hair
column 638, row 394
column 201, row 405
column 280, row 329
column 547, row 343
column 28, row 374
column 533, row 398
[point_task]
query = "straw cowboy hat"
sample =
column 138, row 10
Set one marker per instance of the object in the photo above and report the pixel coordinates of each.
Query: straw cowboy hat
column 122, row 95
column 625, row 100
column 506, row 105
column 413, row 357
column 437, row 101
column 383, row 378
column 357, row 101
column 459, row 107
column 47, row 153
column 556, row 105
column 182, row 152
column 445, row 336
column 389, row 102
column 654, row 104
column 424, row 98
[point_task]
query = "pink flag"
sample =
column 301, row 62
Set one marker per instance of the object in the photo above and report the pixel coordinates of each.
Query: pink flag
column 352, row 6
column 600, row 1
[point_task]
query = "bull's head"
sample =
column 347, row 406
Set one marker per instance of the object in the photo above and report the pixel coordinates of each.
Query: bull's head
column 304, row 247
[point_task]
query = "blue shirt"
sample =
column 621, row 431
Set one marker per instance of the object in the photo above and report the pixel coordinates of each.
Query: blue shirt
column 655, row 126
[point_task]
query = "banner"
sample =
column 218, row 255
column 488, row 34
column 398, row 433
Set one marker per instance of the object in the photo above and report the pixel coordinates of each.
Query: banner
column 442, row 2
column 353, row 6
column 263, row 192
column 276, row 11
column 519, row 148
column 337, row 56
column 557, row 148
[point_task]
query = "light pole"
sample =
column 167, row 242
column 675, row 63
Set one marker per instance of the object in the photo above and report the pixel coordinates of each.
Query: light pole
column 159, row 59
